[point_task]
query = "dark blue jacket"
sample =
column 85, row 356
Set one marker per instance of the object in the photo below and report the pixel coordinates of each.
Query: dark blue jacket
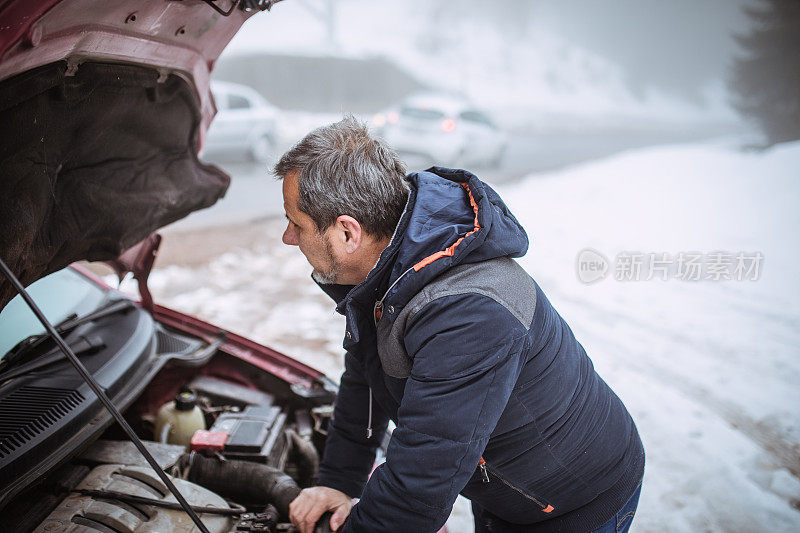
column 493, row 396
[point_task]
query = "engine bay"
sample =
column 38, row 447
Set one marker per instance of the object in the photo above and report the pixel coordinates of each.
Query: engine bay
column 238, row 443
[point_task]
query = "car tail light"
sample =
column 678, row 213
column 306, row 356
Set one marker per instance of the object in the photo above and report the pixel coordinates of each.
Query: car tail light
column 379, row 120
column 393, row 117
column 448, row 124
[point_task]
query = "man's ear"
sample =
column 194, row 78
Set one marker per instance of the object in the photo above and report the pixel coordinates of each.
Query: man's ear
column 351, row 232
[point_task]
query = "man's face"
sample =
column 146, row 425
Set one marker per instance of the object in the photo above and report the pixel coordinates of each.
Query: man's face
column 302, row 232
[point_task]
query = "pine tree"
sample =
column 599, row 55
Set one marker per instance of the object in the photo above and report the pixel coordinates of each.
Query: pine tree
column 766, row 78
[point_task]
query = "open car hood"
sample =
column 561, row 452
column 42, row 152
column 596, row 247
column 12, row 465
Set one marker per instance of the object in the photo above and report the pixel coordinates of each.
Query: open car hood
column 104, row 106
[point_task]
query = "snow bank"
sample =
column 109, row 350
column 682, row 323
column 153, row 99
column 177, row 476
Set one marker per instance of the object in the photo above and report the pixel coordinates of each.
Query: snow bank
column 709, row 369
column 265, row 294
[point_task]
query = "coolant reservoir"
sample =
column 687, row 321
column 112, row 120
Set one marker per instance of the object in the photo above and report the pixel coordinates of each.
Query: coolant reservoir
column 177, row 420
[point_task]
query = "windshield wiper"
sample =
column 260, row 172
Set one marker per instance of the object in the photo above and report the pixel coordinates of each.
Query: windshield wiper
column 80, row 346
column 29, row 344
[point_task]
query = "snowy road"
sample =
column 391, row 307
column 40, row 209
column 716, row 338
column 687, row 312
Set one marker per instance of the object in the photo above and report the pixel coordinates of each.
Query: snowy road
column 254, row 193
column 710, row 370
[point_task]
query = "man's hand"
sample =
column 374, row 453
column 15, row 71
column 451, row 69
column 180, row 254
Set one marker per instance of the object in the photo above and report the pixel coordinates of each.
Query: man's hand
column 311, row 503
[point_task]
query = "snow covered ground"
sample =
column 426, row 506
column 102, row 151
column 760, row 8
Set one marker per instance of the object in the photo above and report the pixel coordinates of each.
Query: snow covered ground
column 709, row 369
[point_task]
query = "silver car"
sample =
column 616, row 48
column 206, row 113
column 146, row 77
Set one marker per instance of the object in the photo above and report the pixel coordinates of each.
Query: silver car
column 244, row 125
column 442, row 129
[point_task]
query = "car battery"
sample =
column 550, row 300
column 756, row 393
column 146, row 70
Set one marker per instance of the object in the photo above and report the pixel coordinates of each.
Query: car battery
column 255, row 434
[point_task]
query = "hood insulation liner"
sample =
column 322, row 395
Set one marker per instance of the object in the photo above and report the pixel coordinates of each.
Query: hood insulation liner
column 93, row 162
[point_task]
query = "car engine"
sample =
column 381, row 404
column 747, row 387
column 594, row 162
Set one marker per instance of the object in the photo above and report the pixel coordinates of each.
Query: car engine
column 236, row 453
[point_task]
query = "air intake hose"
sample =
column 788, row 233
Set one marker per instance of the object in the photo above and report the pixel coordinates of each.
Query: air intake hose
column 244, row 482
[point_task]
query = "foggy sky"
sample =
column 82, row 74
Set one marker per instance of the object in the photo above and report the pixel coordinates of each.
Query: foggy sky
column 678, row 46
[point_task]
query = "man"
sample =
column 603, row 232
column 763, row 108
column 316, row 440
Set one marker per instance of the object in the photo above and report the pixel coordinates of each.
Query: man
column 492, row 395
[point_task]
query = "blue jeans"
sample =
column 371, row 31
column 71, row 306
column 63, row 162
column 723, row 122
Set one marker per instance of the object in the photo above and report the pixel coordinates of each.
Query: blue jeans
column 619, row 523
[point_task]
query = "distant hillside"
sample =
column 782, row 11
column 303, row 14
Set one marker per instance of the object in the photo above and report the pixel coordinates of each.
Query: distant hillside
column 320, row 84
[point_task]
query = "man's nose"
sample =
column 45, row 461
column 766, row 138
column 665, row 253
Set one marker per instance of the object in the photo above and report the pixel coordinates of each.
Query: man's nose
column 290, row 236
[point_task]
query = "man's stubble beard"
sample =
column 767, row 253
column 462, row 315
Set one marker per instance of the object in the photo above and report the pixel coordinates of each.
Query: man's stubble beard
column 330, row 276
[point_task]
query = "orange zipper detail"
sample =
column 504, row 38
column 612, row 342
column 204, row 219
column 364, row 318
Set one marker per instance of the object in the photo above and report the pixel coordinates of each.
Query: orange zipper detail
column 484, row 473
column 450, row 250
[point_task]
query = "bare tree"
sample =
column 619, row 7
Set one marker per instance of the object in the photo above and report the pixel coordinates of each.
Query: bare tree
column 766, row 79
column 324, row 10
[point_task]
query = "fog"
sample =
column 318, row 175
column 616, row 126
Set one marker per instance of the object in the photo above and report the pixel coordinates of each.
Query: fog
column 678, row 46
column 567, row 81
column 575, row 55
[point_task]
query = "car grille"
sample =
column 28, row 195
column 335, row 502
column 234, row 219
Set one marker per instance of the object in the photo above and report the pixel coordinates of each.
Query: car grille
column 28, row 411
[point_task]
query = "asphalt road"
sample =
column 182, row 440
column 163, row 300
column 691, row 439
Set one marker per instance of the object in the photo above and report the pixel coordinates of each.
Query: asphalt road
column 254, row 193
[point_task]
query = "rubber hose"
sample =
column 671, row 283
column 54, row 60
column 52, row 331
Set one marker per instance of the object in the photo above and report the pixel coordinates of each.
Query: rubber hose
column 307, row 458
column 245, row 482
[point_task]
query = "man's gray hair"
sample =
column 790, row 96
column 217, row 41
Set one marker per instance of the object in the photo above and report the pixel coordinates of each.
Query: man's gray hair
column 346, row 171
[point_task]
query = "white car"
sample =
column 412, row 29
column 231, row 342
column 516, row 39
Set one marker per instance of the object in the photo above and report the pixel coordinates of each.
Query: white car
column 244, row 125
column 443, row 129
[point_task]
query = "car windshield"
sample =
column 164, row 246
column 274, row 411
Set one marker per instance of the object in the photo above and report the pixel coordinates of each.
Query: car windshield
column 477, row 117
column 58, row 295
column 425, row 114
column 237, row 101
